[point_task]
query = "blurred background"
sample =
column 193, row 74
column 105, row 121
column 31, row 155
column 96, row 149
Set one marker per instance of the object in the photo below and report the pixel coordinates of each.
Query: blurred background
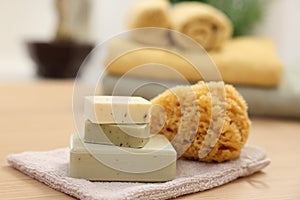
column 22, row 21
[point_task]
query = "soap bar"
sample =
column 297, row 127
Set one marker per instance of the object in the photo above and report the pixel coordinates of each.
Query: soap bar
column 117, row 109
column 126, row 135
column 155, row 162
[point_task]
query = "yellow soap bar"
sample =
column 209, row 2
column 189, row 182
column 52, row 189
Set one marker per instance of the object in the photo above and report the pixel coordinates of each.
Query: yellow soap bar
column 117, row 109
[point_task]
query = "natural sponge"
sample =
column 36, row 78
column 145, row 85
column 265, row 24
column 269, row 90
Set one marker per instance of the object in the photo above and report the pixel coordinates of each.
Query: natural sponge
column 206, row 122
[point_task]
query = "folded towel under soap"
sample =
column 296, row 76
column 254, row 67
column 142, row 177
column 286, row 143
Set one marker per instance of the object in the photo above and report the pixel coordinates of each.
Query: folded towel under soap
column 52, row 167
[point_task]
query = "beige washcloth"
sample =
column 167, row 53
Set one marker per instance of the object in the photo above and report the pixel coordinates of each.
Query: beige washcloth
column 154, row 13
column 52, row 167
column 205, row 24
column 242, row 61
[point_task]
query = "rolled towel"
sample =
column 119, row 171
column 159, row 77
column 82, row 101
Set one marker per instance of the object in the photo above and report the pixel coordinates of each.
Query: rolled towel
column 154, row 13
column 205, row 24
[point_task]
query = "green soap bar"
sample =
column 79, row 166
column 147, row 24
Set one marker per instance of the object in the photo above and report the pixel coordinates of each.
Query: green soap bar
column 155, row 162
column 133, row 135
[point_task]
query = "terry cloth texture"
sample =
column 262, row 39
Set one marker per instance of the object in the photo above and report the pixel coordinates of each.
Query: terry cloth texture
column 51, row 168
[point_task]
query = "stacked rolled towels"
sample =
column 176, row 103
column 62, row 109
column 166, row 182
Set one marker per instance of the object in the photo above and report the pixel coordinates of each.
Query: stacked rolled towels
column 249, row 63
column 203, row 23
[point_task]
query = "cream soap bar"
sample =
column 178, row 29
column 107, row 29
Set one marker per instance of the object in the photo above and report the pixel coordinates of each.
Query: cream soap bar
column 117, row 109
column 126, row 135
column 155, row 162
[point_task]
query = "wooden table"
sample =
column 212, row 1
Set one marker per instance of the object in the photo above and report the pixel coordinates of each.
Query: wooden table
column 38, row 116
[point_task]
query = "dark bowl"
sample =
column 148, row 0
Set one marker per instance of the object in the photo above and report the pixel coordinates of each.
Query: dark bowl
column 58, row 60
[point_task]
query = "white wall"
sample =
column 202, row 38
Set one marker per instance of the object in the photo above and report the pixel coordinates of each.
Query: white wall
column 282, row 23
column 22, row 20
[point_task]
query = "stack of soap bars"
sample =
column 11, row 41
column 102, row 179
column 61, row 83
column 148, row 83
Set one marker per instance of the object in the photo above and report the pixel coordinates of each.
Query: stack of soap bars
column 117, row 144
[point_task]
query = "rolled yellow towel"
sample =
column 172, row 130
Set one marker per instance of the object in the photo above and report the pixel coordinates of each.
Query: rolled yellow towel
column 190, row 111
column 242, row 61
column 145, row 13
column 150, row 13
column 205, row 24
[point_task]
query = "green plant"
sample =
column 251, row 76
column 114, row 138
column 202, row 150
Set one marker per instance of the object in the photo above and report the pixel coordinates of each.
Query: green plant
column 244, row 14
